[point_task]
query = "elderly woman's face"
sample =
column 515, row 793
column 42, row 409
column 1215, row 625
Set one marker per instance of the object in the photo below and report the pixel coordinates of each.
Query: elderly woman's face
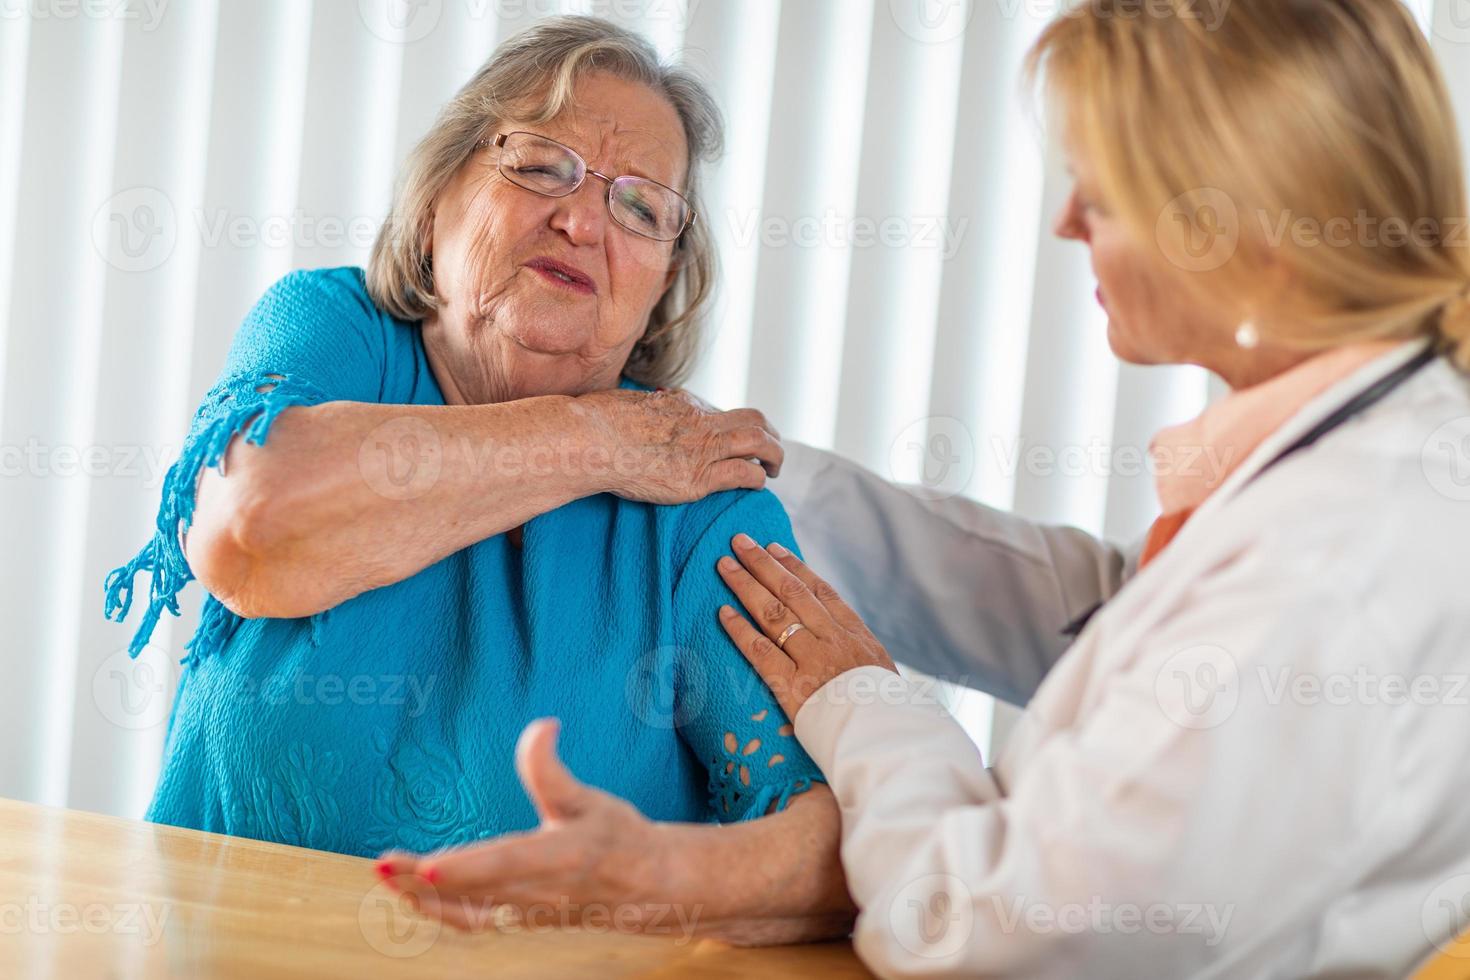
column 543, row 295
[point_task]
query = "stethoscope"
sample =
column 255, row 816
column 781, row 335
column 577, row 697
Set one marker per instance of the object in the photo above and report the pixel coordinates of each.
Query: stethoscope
column 1364, row 400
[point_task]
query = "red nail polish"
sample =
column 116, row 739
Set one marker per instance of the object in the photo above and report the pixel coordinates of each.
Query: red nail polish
column 385, row 868
column 432, row 875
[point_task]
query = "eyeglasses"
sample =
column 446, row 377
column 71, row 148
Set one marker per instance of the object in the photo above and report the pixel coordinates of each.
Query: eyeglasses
column 643, row 206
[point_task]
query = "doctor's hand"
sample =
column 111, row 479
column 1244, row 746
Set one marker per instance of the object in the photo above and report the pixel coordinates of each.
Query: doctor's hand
column 805, row 635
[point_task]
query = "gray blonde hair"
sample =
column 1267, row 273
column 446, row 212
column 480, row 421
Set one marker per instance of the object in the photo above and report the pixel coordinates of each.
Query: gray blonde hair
column 539, row 68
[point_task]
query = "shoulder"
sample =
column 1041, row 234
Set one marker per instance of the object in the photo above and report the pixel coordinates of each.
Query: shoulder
column 339, row 294
column 322, row 325
column 705, row 527
column 728, row 506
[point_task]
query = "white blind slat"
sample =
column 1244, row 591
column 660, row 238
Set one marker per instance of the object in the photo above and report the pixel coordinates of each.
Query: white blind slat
column 1068, row 401
column 14, row 44
column 735, row 49
column 981, row 333
column 810, row 185
column 253, row 171
column 349, row 137
column 900, row 237
column 51, row 372
column 164, row 96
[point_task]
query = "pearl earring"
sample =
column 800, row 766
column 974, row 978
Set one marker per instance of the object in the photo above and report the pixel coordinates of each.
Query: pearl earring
column 1247, row 336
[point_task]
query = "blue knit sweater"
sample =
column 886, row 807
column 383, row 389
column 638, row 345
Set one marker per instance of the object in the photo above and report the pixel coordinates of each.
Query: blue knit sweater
column 390, row 721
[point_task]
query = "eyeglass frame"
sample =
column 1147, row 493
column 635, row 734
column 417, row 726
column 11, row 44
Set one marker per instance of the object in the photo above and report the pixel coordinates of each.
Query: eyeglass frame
column 499, row 143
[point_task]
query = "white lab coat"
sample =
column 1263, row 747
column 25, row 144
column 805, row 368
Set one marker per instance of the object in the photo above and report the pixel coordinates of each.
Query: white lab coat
column 1253, row 762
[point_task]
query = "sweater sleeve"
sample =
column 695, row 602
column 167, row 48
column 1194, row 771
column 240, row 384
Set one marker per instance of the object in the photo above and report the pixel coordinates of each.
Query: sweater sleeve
column 727, row 715
column 313, row 337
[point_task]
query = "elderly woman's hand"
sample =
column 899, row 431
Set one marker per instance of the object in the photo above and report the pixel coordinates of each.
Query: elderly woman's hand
column 596, row 861
column 593, row 851
column 669, row 447
column 807, row 634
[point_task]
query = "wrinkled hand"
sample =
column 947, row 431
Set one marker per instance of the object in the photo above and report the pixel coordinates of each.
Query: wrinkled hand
column 670, row 447
column 777, row 589
column 592, row 851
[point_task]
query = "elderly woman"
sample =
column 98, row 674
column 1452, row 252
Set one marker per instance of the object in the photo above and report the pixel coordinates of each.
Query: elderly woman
column 437, row 499
column 1250, row 762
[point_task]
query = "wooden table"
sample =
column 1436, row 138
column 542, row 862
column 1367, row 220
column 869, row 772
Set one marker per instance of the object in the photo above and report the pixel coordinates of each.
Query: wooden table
column 84, row 896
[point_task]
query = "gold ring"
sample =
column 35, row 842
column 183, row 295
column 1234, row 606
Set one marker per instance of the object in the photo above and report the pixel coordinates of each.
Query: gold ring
column 787, row 633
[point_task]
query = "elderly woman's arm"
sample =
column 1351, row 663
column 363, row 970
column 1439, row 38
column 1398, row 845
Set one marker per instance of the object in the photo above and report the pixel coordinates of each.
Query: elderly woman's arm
column 350, row 496
column 773, row 880
column 768, row 873
column 780, row 877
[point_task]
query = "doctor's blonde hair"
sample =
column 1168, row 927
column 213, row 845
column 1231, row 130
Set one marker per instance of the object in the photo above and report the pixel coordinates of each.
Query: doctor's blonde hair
column 1296, row 161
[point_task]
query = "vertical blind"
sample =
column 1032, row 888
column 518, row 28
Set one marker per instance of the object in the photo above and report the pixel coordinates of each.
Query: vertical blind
column 890, row 286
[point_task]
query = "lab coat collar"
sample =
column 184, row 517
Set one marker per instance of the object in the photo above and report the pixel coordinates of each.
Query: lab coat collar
column 1309, row 415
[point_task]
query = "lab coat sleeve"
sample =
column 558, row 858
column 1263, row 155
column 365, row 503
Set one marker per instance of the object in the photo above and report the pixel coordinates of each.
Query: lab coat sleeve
column 950, row 587
column 1145, row 837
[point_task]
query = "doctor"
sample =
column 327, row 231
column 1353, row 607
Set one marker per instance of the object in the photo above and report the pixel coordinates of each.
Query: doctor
column 1251, row 760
